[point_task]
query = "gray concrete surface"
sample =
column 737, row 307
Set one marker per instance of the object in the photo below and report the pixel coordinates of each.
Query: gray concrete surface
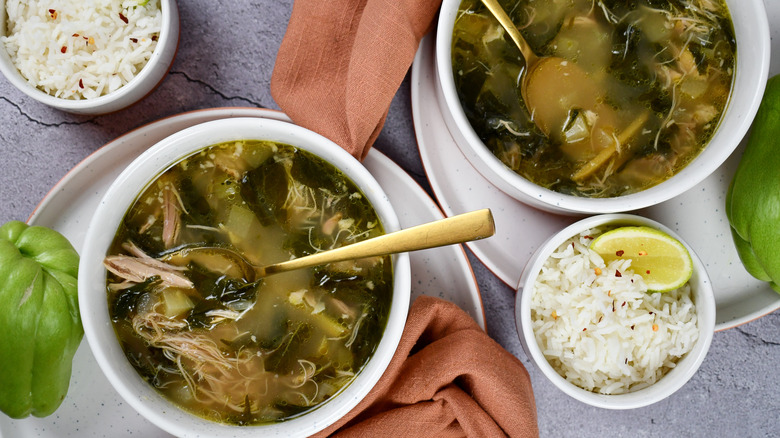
column 225, row 58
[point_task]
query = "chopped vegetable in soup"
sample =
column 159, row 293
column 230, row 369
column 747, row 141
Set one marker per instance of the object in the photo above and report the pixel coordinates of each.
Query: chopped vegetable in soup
column 200, row 330
column 652, row 80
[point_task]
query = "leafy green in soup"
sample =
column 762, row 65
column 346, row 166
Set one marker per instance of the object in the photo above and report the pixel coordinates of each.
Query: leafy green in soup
column 628, row 94
column 211, row 338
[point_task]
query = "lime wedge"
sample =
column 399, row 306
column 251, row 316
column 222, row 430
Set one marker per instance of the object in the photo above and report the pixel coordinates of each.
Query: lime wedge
column 659, row 258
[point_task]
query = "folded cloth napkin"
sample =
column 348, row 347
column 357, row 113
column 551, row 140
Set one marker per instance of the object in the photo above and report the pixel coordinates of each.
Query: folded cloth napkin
column 448, row 378
column 342, row 61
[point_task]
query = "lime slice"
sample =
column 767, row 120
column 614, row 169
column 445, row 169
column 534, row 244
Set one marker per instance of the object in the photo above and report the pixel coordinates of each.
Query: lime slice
column 659, row 258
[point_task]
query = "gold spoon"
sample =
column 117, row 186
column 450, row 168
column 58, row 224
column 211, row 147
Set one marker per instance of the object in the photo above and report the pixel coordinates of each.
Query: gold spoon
column 457, row 229
column 551, row 86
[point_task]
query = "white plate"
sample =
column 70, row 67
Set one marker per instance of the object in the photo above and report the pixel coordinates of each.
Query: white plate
column 698, row 215
column 92, row 407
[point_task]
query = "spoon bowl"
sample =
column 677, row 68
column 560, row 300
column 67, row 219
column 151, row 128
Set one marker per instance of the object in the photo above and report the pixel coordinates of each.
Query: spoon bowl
column 576, row 93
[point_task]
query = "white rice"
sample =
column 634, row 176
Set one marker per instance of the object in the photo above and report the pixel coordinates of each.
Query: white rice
column 81, row 49
column 597, row 331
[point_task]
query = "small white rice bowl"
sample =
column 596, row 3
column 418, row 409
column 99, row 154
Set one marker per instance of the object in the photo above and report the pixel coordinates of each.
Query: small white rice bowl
column 594, row 330
column 87, row 56
column 599, row 328
column 75, row 49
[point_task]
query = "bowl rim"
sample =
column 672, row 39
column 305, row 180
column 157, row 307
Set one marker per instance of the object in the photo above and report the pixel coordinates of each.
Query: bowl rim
column 673, row 380
column 99, row 331
column 169, row 36
column 748, row 85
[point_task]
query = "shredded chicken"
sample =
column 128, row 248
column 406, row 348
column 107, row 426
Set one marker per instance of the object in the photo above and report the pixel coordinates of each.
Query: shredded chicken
column 171, row 217
column 138, row 270
column 139, row 267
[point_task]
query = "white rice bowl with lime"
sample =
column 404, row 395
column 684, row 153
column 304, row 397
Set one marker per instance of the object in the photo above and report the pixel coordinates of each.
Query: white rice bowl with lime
column 600, row 329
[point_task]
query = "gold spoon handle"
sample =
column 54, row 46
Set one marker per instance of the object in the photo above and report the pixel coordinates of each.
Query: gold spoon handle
column 506, row 23
column 457, row 229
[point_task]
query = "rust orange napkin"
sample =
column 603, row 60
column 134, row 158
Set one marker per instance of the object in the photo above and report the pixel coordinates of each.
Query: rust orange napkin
column 448, row 378
column 342, row 61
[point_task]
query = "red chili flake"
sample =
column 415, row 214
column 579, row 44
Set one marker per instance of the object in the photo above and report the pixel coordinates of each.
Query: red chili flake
column 154, row 37
column 601, row 317
column 123, row 18
column 81, row 83
column 626, row 362
column 572, row 245
column 647, row 272
column 588, row 237
column 584, row 329
column 623, row 305
column 135, row 40
column 632, row 327
column 619, row 252
column 53, row 14
column 642, row 253
column 75, row 35
column 64, row 49
column 617, row 273
column 613, row 305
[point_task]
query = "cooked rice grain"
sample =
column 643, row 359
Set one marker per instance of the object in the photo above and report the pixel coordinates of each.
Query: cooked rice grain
column 597, row 331
column 81, row 49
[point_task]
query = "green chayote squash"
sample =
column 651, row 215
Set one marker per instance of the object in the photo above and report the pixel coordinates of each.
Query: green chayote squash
column 753, row 199
column 40, row 326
